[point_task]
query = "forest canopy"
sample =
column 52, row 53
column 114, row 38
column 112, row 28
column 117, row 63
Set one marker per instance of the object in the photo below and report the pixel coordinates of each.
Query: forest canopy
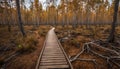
column 63, row 12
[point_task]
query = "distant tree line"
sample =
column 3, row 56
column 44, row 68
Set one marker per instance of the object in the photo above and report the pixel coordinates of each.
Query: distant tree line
column 68, row 12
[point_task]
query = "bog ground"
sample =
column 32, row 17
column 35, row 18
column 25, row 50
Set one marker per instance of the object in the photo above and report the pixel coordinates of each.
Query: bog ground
column 27, row 50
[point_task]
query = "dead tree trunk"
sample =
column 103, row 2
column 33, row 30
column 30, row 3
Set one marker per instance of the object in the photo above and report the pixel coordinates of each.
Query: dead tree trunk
column 19, row 18
column 111, row 37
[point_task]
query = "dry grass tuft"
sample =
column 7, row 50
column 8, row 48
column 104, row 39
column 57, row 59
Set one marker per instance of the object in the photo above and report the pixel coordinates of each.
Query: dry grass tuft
column 27, row 44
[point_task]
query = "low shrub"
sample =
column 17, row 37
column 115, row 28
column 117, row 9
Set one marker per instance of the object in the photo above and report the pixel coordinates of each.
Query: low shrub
column 42, row 32
column 73, row 42
column 27, row 44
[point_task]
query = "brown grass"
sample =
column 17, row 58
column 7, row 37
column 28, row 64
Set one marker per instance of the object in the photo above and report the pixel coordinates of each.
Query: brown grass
column 29, row 46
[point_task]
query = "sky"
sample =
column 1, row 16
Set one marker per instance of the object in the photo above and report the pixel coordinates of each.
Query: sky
column 27, row 3
column 110, row 1
column 58, row 2
column 45, row 5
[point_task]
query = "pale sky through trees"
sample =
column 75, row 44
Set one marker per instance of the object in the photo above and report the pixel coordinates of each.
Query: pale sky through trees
column 44, row 5
column 43, row 2
column 58, row 2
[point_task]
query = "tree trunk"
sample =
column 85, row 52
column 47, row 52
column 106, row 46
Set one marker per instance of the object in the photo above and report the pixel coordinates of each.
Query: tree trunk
column 57, row 17
column 75, row 23
column 63, row 19
column 19, row 18
column 111, row 37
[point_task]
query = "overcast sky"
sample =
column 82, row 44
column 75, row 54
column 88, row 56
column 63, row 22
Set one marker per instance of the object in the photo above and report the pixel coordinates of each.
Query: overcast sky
column 27, row 2
column 58, row 2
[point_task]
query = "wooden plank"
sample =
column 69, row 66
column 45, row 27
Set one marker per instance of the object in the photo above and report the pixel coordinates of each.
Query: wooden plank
column 55, row 42
column 50, row 56
column 59, row 53
column 54, row 67
column 50, row 50
column 53, row 53
column 53, row 59
column 47, row 51
column 53, row 49
column 52, row 44
column 53, row 63
column 53, row 56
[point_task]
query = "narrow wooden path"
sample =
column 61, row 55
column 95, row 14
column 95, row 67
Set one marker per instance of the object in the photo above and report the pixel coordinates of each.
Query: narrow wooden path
column 53, row 55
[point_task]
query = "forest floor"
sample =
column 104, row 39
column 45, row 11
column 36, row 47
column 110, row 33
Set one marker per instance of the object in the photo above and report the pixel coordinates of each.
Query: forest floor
column 22, row 52
column 18, row 52
column 87, row 47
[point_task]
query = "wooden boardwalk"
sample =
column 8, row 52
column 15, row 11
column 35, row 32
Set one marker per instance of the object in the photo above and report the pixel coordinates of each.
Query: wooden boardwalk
column 53, row 55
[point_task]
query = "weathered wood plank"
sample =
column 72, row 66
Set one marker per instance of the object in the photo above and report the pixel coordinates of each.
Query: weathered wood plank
column 53, row 63
column 52, row 53
column 55, row 67
column 53, row 59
